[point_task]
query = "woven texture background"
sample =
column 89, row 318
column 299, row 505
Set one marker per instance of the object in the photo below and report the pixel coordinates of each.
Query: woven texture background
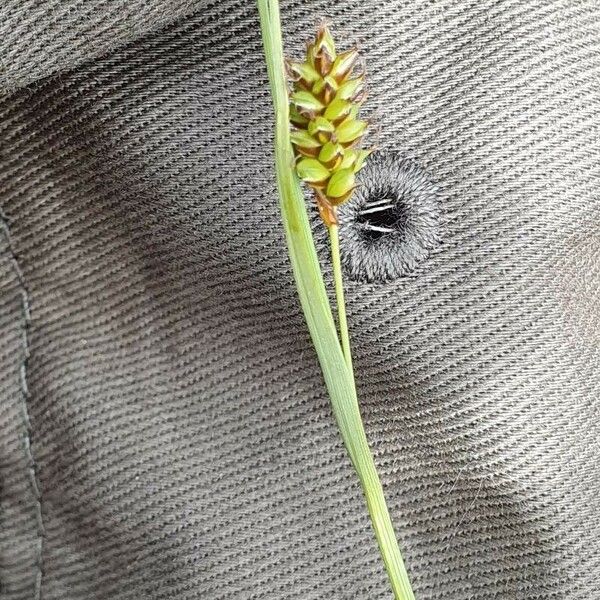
column 40, row 37
column 181, row 437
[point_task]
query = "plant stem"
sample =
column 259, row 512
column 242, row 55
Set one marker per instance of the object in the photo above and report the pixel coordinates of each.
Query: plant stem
column 336, row 263
column 338, row 376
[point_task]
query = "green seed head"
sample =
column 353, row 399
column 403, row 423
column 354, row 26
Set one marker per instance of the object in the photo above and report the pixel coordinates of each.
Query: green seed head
column 326, row 131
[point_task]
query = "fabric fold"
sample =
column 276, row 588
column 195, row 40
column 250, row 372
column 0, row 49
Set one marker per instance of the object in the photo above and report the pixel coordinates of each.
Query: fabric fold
column 41, row 38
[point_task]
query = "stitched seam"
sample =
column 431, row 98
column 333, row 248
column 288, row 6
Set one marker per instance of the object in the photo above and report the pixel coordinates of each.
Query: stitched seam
column 32, row 468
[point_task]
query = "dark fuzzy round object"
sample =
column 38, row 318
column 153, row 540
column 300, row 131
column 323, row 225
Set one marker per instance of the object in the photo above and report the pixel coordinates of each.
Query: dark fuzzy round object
column 392, row 220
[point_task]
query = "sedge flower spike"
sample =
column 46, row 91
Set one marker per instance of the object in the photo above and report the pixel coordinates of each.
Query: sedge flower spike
column 326, row 131
column 317, row 134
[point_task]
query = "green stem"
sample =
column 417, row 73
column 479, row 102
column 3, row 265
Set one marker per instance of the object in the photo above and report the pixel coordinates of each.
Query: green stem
column 317, row 310
column 336, row 262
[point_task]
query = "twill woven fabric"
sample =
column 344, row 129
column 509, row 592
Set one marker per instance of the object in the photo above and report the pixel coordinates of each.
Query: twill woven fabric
column 164, row 428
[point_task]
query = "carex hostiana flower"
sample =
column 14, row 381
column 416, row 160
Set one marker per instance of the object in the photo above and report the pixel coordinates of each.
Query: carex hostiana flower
column 317, row 139
column 325, row 100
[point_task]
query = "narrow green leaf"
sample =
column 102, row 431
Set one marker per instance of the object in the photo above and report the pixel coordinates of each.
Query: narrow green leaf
column 337, row 373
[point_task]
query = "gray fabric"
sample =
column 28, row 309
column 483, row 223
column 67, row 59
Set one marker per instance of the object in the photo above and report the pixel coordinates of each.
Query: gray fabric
column 180, row 433
column 21, row 528
column 40, row 37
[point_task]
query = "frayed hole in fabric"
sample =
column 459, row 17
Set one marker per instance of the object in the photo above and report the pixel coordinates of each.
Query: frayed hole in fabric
column 391, row 223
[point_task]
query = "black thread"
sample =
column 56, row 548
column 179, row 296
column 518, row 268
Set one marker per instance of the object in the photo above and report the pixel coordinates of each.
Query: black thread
column 391, row 223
